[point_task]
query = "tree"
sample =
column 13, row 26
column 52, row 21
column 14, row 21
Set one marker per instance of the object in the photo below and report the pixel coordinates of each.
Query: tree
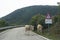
column 58, row 11
column 55, row 29
column 3, row 23
column 34, row 21
column 38, row 19
column 58, row 7
column 56, row 18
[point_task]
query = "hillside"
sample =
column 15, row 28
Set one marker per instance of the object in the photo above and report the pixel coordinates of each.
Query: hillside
column 23, row 15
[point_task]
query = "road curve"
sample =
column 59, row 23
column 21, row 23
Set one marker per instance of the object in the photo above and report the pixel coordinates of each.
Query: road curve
column 19, row 34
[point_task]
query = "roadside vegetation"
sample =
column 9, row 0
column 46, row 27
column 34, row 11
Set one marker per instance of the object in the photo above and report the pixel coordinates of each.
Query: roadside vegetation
column 54, row 29
column 3, row 23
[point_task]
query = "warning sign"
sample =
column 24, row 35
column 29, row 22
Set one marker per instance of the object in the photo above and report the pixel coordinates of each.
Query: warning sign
column 48, row 19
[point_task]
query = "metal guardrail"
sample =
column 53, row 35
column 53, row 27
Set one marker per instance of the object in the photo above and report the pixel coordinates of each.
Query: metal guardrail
column 8, row 27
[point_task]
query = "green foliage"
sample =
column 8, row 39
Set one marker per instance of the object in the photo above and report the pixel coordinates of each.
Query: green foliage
column 58, row 9
column 41, row 19
column 56, row 19
column 38, row 19
column 56, row 22
column 33, row 20
column 3, row 23
column 23, row 15
column 54, row 30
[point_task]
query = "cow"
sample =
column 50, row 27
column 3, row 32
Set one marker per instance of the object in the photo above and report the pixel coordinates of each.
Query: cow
column 39, row 28
column 29, row 28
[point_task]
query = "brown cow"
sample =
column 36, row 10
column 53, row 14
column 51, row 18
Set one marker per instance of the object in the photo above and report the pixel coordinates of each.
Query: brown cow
column 39, row 28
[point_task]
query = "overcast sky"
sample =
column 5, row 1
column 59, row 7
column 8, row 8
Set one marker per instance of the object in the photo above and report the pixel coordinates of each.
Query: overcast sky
column 7, row 6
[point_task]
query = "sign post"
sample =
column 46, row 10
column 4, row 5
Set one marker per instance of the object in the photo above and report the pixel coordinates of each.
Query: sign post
column 48, row 20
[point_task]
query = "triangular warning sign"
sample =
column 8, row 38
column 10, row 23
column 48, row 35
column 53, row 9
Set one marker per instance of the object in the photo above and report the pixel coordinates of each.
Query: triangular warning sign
column 48, row 16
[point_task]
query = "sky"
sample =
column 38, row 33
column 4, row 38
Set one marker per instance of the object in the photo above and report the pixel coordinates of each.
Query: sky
column 8, row 6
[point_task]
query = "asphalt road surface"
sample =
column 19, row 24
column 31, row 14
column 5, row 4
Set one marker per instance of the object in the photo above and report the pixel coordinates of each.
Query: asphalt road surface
column 20, row 34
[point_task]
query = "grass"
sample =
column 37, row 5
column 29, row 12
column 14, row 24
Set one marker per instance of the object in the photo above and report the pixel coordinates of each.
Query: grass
column 49, row 35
